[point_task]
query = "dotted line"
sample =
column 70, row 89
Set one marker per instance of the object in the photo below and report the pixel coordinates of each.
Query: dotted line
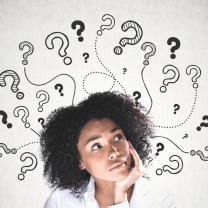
column 27, row 144
column 99, row 58
column 97, row 73
column 111, row 74
column 186, row 119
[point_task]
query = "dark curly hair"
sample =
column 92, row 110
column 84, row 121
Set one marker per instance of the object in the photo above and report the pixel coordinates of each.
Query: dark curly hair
column 59, row 137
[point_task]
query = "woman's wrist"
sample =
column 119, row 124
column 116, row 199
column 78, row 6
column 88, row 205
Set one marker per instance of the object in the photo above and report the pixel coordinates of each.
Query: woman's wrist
column 120, row 195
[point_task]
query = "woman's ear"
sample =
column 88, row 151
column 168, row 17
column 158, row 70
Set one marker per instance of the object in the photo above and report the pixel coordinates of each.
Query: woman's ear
column 81, row 166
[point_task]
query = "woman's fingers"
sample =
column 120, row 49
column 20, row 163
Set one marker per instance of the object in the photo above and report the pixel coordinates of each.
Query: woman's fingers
column 136, row 158
column 134, row 154
column 131, row 146
column 139, row 168
column 134, row 150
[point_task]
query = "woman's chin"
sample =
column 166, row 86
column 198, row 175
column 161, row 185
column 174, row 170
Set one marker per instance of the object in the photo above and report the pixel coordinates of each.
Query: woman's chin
column 121, row 176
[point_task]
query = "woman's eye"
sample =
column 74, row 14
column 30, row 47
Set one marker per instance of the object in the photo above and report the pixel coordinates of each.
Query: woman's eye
column 96, row 146
column 118, row 137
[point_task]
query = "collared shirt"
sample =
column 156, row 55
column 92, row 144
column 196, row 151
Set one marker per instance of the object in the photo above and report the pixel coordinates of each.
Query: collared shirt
column 144, row 195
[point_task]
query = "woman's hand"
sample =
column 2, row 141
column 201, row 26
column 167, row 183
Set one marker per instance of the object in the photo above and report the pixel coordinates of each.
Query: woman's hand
column 121, row 187
column 134, row 174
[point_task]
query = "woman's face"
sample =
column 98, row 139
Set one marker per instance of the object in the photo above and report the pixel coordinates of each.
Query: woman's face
column 101, row 144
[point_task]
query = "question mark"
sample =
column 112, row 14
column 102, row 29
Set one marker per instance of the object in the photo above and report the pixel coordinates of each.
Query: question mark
column 60, row 86
column 41, row 120
column 6, row 150
column 186, row 135
column 4, row 119
column 108, row 27
column 81, row 29
column 47, row 97
column 86, row 55
column 138, row 96
column 161, row 145
column 174, row 79
column 15, row 83
column 26, row 114
column 197, row 75
column 131, row 41
column 203, row 124
column 125, row 70
column 173, row 158
column 31, row 167
column 151, row 53
column 25, row 55
column 64, row 45
column 174, row 48
column 177, row 107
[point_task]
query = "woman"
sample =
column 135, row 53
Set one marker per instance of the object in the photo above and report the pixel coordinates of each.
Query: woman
column 95, row 155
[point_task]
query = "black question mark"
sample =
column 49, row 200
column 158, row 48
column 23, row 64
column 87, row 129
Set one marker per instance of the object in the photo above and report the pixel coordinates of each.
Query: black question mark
column 160, row 149
column 41, row 120
column 174, row 48
column 125, row 70
column 60, row 89
column 81, row 29
column 177, row 107
column 138, row 96
column 203, row 124
column 4, row 119
column 86, row 55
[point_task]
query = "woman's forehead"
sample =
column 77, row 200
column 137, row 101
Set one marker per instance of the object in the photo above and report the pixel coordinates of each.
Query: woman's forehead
column 96, row 126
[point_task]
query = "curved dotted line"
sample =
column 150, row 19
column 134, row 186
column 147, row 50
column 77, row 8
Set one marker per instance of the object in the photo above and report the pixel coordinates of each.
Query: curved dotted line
column 97, row 73
column 146, row 90
column 107, row 69
column 185, row 120
column 27, row 144
column 98, row 56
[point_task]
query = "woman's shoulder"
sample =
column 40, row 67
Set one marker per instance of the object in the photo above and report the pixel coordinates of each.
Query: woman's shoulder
column 62, row 198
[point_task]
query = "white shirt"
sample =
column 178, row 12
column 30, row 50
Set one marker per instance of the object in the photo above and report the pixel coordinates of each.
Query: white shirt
column 144, row 196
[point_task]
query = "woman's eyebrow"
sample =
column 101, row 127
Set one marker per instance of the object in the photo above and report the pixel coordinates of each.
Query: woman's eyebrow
column 98, row 137
column 92, row 139
column 115, row 129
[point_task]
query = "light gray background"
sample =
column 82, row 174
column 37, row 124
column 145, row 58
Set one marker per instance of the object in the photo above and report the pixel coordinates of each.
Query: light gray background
column 33, row 21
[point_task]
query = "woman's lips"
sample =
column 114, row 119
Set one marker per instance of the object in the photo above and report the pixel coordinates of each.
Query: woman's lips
column 120, row 165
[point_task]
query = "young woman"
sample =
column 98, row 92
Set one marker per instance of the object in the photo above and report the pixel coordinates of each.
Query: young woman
column 95, row 155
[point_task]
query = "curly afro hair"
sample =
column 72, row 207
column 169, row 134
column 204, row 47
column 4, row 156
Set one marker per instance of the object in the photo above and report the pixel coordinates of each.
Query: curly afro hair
column 59, row 137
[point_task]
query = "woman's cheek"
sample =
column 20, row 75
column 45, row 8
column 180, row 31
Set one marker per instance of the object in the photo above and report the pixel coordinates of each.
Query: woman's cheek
column 124, row 148
column 94, row 161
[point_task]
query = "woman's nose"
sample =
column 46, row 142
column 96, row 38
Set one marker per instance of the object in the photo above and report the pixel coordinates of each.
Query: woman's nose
column 113, row 153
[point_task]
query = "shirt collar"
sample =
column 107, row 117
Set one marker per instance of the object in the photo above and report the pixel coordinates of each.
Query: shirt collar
column 90, row 188
column 90, row 193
